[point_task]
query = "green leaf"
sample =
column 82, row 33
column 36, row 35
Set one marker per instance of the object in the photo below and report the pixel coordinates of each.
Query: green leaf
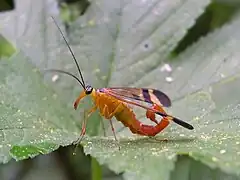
column 32, row 117
column 23, row 152
column 205, row 89
column 38, row 37
column 6, row 49
column 127, row 45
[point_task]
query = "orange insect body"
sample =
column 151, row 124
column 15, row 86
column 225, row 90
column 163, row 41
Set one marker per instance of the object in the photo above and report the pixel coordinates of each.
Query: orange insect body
column 114, row 102
column 109, row 106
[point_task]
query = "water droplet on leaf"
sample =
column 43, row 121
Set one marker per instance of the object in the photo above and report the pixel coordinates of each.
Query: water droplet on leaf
column 222, row 151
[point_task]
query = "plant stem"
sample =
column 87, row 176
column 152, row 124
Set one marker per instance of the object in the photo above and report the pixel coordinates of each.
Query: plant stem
column 96, row 169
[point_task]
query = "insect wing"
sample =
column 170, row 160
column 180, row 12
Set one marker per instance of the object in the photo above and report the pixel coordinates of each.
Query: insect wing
column 135, row 102
column 151, row 96
column 129, row 100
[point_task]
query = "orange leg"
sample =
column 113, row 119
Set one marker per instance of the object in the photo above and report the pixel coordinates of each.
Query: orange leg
column 84, row 124
column 151, row 115
column 103, row 128
column 149, row 130
column 153, row 130
column 109, row 116
column 114, row 134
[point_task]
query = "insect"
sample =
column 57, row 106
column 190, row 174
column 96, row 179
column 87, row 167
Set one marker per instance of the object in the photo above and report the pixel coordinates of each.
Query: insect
column 114, row 102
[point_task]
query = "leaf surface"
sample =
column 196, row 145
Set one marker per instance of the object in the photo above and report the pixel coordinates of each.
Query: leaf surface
column 137, row 37
column 31, row 114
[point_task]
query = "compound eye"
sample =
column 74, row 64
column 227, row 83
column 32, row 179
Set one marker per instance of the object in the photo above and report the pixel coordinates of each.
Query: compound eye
column 89, row 89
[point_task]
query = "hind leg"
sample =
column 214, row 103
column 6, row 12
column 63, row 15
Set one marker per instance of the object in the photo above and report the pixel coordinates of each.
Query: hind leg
column 150, row 130
column 153, row 130
column 151, row 115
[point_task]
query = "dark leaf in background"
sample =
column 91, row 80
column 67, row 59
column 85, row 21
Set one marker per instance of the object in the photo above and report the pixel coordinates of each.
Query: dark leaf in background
column 215, row 15
column 6, row 5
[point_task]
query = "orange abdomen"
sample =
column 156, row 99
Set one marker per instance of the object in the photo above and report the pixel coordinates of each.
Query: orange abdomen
column 128, row 118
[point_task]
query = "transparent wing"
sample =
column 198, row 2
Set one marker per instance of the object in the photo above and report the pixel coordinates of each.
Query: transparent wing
column 134, row 101
column 148, row 95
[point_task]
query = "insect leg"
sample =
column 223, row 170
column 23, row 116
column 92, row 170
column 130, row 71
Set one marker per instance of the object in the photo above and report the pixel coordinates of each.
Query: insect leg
column 153, row 130
column 109, row 116
column 151, row 115
column 149, row 130
column 84, row 123
column 114, row 134
column 103, row 127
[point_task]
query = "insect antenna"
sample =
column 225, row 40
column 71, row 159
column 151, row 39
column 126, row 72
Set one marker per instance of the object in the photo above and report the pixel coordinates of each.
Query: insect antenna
column 74, row 58
column 65, row 72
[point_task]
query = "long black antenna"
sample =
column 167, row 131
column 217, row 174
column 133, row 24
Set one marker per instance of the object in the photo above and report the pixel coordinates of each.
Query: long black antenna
column 65, row 72
column 74, row 58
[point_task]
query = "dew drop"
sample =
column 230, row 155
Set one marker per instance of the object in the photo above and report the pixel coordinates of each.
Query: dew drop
column 156, row 12
column 166, row 67
column 55, row 78
column 171, row 156
column 89, row 143
column 222, row 151
column 169, row 79
column 222, row 75
column 204, row 137
column 96, row 70
column 104, row 77
column 153, row 149
column 196, row 118
column 214, row 159
column 54, row 96
column 224, row 138
column 91, row 22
